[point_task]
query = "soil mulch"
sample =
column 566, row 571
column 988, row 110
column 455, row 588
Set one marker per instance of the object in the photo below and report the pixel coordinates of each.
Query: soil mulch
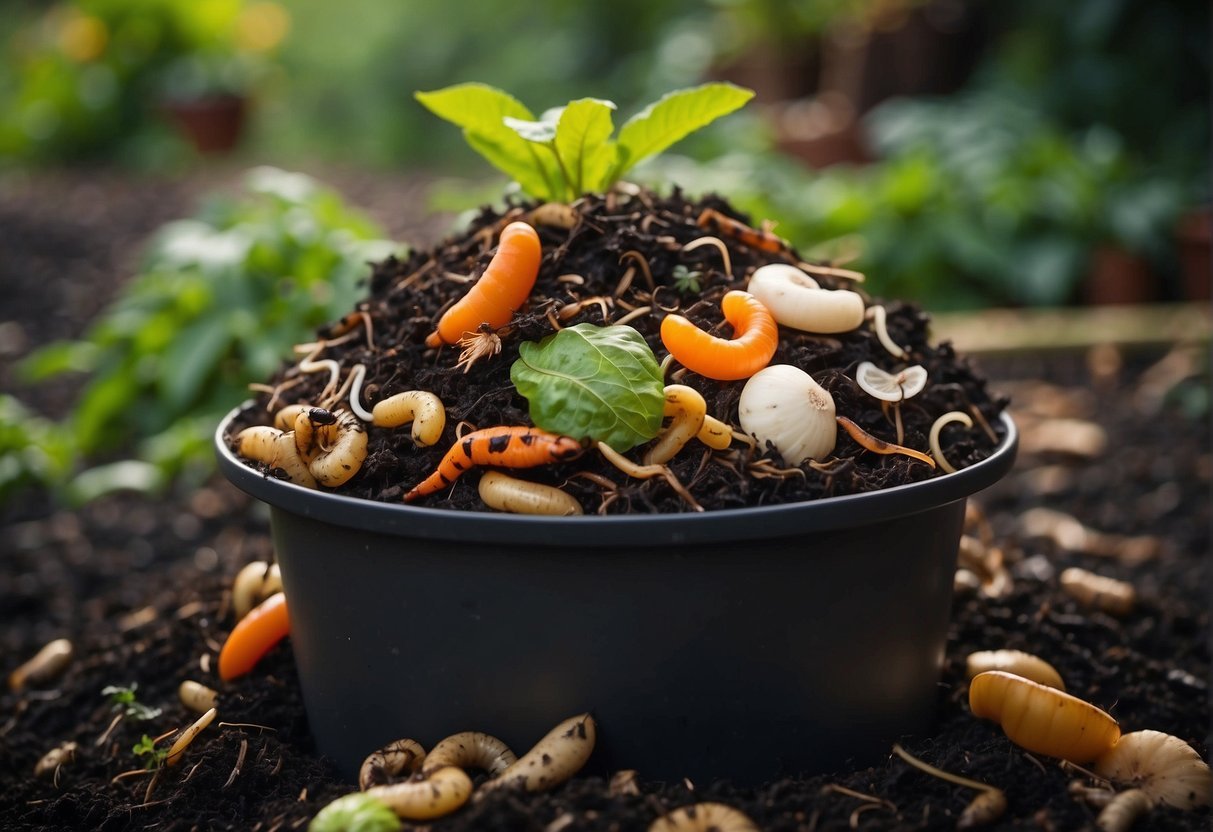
column 140, row 585
column 619, row 260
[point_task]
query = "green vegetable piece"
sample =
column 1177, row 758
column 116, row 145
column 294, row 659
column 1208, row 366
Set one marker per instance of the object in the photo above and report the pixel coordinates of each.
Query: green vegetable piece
column 357, row 812
column 603, row 383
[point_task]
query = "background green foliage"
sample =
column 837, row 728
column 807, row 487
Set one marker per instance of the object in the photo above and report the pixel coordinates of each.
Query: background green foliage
column 220, row 301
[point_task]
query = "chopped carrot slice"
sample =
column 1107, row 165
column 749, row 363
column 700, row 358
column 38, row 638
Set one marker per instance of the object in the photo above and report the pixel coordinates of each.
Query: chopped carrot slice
column 253, row 636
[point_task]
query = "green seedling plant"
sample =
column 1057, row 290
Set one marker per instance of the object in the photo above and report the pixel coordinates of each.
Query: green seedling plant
column 125, row 702
column 568, row 151
column 219, row 302
column 593, row 382
column 155, row 757
column 686, row 281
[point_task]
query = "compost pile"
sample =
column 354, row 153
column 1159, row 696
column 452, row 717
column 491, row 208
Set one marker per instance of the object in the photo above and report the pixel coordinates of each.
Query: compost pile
column 634, row 257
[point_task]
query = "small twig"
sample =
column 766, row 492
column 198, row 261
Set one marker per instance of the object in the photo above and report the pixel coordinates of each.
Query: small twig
column 105, row 735
column 639, row 259
column 716, row 243
column 639, row 312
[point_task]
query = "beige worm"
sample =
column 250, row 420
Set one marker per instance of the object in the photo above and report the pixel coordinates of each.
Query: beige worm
column 1103, row 593
column 197, row 697
column 506, row 493
column 435, row 794
column 336, row 461
column 253, row 584
column 401, row 755
column 687, row 409
column 715, row 434
column 1014, row 661
column 423, row 409
column 284, row 419
column 277, row 450
column 45, row 665
column 704, row 817
column 554, row 759
column 936, row 428
column 472, row 749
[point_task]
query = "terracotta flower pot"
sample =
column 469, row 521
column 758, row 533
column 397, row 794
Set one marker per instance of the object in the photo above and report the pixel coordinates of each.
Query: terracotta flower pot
column 743, row 643
column 213, row 124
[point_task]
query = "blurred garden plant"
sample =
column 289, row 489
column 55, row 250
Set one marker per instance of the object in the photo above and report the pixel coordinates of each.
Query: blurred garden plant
column 87, row 77
column 221, row 299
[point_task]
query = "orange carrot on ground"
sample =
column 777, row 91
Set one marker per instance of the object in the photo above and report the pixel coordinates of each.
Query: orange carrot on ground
column 755, row 338
column 503, row 446
column 253, row 636
column 504, row 286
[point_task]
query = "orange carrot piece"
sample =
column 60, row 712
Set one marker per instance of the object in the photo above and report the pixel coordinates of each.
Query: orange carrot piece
column 504, row 286
column 755, row 338
column 266, row 625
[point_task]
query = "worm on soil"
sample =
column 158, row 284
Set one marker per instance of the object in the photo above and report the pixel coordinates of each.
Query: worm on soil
column 554, row 759
column 1123, row 811
column 422, row 408
column 45, row 666
column 510, row 494
column 687, row 410
column 50, row 762
column 197, row 697
column 1098, row 591
column 472, row 749
column 339, row 458
column 276, row 449
column 430, row 796
column 704, row 817
column 1165, row 767
column 796, row 301
column 253, row 584
column 937, row 427
column 403, row 755
column 284, row 419
column 1014, row 661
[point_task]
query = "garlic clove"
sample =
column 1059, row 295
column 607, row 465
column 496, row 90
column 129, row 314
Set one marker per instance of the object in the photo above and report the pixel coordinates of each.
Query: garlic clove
column 783, row 405
column 795, row 300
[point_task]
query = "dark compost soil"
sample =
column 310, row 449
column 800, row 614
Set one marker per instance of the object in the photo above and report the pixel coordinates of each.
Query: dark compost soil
column 141, row 587
column 647, row 234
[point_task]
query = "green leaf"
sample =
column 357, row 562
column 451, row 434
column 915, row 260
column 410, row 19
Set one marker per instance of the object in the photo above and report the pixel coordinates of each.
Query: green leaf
column 357, row 812
column 673, row 117
column 583, row 144
column 481, row 111
column 192, row 357
column 539, row 132
column 587, row 381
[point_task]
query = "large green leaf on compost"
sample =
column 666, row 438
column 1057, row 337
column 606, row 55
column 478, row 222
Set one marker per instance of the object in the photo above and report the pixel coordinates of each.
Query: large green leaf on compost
column 587, row 381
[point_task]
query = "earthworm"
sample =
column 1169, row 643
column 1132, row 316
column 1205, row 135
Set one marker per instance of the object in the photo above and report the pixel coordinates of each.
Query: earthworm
column 704, row 817
column 879, row 446
column 197, row 697
column 340, row 457
column 755, row 338
column 45, row 665
column 504, row 446
column 187, row 736
column 762, row 240
column 438, row 793
column 1014, row 661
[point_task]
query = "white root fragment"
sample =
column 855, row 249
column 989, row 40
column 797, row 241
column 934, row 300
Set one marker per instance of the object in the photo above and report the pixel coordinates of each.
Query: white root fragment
column 196, row 696
column 433, row 795
column 1123, row 811
column 423, row 409
column 254, row 583
column 795, row 300
column 878, row 316
column 687, row 409
column 472, row 749
column 937, row 428
column 1099, row 591
column 335, row 464
column 516, row 496
column 1014, row 661
column 1165, row 767
column 355, row 381
column 46, row 665
column 276, row 449
column 704, row 817
column 177, row 750
column 554, row 759
column 784, row 406
column 715, row 434
column 50, row 762
column 403, row 755
column 719, row 245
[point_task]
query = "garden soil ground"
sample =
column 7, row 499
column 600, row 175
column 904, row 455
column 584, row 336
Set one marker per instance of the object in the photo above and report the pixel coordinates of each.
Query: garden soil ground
column 140, row 586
